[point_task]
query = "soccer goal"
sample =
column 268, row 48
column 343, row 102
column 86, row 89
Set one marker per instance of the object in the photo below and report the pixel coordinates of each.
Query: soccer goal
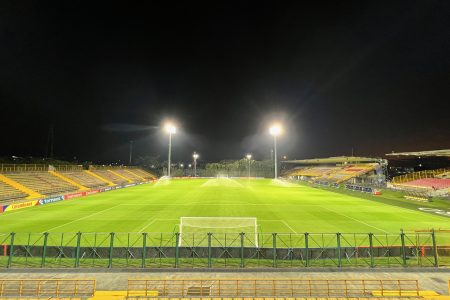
column 222, row 228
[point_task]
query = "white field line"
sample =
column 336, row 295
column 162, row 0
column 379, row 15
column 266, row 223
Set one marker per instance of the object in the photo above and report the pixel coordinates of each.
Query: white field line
column 281, row 221
column 148, row 224
column 285, row 223
column 156, row 220
column 359, row 221
column 82, row 218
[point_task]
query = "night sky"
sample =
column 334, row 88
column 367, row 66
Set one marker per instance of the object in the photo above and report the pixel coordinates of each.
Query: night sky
column 369, row 75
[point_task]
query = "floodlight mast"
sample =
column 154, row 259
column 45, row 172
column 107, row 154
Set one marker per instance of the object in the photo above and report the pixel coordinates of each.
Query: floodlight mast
column 249, row 157
column 171, row 129
column 275, row 130
column 195, row 156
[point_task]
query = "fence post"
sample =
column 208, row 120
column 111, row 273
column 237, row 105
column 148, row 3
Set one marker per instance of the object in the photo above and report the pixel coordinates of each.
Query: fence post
column 372, row 264
column 274, row 237
column 242, row 249
column 11, row 249
column 144, row 248
column 177, row 249
column 338, row 239
column 77, row 251
column 402, row 238
column 111, row 247
column 307, row 248
column 435, row 253
column 44, row 249
column 209, row 250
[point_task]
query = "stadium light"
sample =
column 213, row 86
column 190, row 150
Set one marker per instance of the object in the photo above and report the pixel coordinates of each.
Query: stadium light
column 170, row 129
column 275, row 130
column 195, row 156
column 249, row 157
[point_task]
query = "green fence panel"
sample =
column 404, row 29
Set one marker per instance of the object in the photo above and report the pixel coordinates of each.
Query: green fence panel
column 27, row 250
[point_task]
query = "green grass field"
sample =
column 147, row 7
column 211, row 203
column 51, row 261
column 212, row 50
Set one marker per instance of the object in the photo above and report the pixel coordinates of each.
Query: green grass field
column 278, row 206
column 149, row 216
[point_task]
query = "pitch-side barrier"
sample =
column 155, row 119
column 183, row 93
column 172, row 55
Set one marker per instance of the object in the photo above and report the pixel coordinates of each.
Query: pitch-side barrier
column 225, row 250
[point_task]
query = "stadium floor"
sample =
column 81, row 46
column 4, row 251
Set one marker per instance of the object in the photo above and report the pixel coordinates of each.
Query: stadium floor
column 278, row 207
column 431, row 279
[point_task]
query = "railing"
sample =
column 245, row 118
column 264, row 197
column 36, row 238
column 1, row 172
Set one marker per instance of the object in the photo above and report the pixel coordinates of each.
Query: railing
column 225, row 250
column 418, row 175
column 4, row 168
column 47, row 287
column 68, row 168
column 108, row 167
column 286, row 288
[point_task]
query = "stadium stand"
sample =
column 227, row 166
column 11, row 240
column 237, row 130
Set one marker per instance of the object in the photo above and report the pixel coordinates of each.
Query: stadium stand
column 313, row 171
column 334, row 174
column 8, row 192
column 109, row 176
column 129, row 175
column 42, row 182
column 345, row 173
column 142, row 173
column 432, row 183
column 443, row 175
column 85, row 179
column 439, row 173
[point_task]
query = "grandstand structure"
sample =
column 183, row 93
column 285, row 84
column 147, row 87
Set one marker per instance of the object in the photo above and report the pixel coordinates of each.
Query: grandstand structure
column 34, row 182
column 423, row 184
column 337, row 170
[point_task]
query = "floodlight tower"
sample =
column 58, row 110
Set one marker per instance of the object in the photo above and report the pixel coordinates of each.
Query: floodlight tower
column 275, row 130
column 195, row 156
column 249, row 157
column 170, row 129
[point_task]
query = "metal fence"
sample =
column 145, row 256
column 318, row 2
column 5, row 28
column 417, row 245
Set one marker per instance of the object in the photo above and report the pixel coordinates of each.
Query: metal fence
column 47, row 288
column 225, row 250
column 278, row 288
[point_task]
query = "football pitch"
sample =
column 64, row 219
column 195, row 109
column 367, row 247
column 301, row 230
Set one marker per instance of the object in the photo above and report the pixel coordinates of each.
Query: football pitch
column 278, row 206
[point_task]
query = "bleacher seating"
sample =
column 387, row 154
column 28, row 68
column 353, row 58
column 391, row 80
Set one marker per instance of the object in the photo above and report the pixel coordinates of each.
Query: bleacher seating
column 128, row 174
column 431, row 183
column 350, row 171
column 42, row 182
column 142, row 173
column 313, row 171
column 8, row 192
column 84, row 179
column 109, row 176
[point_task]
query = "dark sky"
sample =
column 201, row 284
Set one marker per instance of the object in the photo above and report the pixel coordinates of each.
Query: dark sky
column 368, row 75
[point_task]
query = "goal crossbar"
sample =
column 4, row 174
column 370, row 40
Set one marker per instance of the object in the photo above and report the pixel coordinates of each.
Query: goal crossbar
column 219, row 225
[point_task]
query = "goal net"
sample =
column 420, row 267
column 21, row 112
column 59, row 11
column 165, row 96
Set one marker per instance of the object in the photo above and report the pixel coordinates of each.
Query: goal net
column 225, row 231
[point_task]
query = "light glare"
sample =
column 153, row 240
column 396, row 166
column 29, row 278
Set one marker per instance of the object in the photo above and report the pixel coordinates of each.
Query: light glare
column 170, row 128
column 275, row 129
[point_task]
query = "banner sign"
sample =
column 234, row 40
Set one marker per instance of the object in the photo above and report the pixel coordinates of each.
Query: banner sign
column 91, row 192
column 50, row 200
column 15, row 206
column 74, row 195
column 364, row 189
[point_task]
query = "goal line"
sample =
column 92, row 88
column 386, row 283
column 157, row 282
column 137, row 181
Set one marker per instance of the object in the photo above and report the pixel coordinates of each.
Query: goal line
column 190, row 227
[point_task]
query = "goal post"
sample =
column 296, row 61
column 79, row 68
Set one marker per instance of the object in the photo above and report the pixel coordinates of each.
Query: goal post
column 220, row 227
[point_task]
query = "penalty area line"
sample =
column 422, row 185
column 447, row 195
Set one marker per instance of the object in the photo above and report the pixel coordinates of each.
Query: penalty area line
column 362, row 222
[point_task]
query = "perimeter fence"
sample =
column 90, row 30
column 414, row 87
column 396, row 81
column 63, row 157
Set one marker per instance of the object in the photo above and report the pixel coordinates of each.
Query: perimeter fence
column 224, row 250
